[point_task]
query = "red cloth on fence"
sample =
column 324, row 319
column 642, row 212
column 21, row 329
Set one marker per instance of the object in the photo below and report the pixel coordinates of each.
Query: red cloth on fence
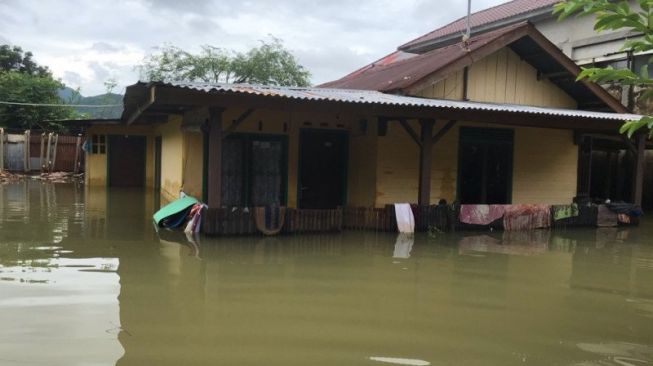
column 481, row 214
column 527, row 217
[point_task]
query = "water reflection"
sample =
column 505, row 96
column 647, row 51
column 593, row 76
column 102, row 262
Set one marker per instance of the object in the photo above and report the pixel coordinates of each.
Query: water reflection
column 91, row 282
column 403, row 246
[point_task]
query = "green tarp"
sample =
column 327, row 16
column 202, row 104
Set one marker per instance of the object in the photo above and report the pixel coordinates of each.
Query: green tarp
column 174, row 208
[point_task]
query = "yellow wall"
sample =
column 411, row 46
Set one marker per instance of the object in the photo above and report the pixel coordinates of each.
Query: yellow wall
column 545, row 166
column 545, row 160
column 172, row 157
column 501, row 78
column 193, row 163
column 361, row 166
column 96, row 164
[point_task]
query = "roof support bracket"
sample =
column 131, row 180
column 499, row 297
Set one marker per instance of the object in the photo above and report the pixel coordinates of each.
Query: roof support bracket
column 410, row 131
column 150, row 100
column 443, row 131
column 237, row 122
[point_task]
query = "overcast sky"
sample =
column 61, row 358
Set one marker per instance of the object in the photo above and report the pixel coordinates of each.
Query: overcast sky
column 86, row 42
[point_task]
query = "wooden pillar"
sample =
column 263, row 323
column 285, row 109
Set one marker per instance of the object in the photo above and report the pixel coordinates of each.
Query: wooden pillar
column 78, row 144
column 426, row 149
column 2, row 149
column 584, row 174
column 214, row 166
column 26, row 151
column 638, row 168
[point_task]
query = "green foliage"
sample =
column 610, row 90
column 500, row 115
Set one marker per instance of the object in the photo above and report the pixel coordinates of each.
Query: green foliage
column 618, row 15
column 13, row 59
column 24, row 81
column 270, row 63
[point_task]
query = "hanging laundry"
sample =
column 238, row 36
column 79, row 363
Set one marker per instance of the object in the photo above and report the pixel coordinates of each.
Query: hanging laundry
column 561, row 212
column 405, row 218
column 481, row 214
column 623, row 218
column 195, row 218
column 527, row 217
column 606, row 217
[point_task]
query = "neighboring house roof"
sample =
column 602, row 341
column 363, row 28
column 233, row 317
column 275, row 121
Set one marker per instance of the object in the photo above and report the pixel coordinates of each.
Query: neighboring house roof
column 410, row 74
column 356, row 97
column 487, row 19
column 398, row 75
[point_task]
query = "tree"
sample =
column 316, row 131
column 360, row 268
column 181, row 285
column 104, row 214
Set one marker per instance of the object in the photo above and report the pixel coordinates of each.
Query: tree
column 270, row 63
column 13, row 59
column 26, row 83
column 619, row 15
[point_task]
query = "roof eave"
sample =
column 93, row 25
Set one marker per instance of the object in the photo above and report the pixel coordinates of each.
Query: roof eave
column 431, row 44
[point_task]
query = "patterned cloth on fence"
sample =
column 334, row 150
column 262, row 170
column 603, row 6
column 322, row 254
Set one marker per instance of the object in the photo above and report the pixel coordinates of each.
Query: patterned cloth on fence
column 527, row 217
column 481, row 214
column 561, row 212
column 623, row 219
column 606, row 217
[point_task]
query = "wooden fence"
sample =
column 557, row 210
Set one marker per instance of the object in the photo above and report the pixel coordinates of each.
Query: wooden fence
column 34, row 151
column 238, row 221
column 437, row 218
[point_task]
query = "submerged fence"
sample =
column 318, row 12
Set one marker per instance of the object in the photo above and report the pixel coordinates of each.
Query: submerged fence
column 435, row 218
column 44, row 152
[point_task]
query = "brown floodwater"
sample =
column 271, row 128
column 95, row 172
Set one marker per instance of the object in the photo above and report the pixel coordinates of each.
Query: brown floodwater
column 86, row 280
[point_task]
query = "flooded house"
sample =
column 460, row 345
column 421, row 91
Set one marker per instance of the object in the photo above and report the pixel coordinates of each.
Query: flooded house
column 495, row 119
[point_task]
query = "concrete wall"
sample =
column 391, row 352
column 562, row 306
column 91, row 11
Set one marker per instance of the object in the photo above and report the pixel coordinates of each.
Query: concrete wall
column 576, row 37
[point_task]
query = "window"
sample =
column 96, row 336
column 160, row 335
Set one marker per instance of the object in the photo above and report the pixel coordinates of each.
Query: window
column 254, row 170
column 98, row 144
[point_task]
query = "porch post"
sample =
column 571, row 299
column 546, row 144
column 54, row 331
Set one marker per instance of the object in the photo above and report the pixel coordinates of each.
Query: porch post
column 584, row 174
column 638, row 170
column 214, row 166
column 426, row 148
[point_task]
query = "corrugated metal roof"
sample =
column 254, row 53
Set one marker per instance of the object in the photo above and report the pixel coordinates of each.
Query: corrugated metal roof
column 403, row 73
column 511, row 9
column 377, row 98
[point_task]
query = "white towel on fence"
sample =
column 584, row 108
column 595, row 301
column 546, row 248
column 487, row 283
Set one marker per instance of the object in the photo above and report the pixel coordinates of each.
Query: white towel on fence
column 405, row 219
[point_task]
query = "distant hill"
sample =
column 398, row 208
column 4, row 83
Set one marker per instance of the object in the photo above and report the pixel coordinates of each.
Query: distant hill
column 72, row 96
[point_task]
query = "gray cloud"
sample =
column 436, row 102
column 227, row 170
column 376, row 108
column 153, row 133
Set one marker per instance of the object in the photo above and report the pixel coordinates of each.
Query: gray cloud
column 107, row 38
column 72, row 79
column 105, row 47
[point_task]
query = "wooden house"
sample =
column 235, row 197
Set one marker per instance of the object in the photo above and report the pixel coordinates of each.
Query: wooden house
column 495, row 119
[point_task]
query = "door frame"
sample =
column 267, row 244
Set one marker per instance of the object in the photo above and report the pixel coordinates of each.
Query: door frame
column 509, row 185
column 345, row 175
column 108, row 149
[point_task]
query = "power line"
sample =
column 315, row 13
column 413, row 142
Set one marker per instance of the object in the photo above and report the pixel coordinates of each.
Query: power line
column 63, row 105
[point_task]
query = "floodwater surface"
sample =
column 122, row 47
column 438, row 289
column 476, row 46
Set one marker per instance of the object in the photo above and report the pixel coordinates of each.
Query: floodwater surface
column 86, row 280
